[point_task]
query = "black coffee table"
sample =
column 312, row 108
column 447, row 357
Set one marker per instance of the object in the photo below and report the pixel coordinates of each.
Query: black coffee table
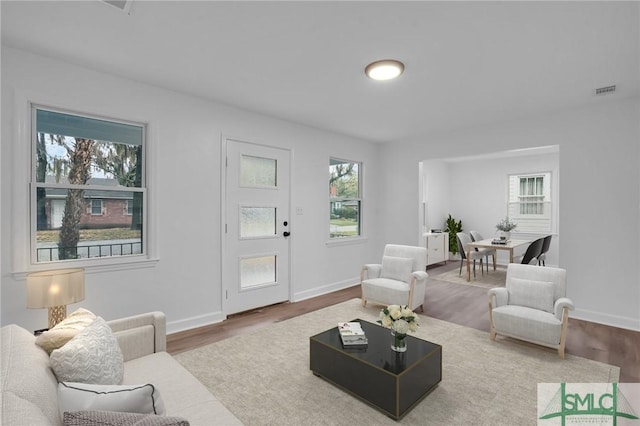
column 390, row 381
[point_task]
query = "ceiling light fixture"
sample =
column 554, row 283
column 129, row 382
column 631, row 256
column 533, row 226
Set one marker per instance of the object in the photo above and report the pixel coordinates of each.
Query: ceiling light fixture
column 386, row 69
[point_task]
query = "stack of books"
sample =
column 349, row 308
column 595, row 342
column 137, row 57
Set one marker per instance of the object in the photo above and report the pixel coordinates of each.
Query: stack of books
column 352, row 334
column 502, row 242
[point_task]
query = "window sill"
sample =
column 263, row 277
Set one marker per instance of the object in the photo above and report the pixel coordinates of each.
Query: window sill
column 346, row 241
column 93, row 266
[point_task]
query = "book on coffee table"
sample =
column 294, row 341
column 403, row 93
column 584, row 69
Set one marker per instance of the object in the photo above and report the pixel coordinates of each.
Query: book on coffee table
column 352, row 334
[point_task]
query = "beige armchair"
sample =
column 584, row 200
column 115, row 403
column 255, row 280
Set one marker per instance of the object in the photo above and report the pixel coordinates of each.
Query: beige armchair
column 532, row 306
column 400, row 279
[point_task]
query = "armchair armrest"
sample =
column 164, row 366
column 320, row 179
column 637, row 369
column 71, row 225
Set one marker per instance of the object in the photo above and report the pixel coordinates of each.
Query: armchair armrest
column 500, row 295
column 419, row 275
column 370, row 270
column 140, row 335
column 560, row 305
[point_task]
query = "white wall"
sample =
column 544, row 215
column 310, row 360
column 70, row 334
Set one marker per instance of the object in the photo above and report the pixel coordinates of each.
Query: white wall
column 599, row 222
column 184, row 164
column 474, row 190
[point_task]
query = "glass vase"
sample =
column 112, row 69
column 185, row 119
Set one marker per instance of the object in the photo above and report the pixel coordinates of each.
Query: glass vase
column 399, row 342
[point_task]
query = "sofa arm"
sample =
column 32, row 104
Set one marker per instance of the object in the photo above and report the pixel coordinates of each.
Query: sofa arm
column 501, row 297
column 140, row 335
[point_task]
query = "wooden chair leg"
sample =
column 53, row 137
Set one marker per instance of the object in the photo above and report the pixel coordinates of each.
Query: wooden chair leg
column 563, row 333
column 492, row 330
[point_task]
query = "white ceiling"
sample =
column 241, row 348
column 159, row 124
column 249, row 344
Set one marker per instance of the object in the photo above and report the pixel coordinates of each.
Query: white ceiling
column 467, row 63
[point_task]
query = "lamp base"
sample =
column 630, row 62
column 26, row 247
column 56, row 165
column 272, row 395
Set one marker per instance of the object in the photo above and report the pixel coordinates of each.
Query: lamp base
column 56, row 314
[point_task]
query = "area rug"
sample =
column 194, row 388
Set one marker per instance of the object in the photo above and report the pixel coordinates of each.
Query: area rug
column 264, row 377
column 489, row 279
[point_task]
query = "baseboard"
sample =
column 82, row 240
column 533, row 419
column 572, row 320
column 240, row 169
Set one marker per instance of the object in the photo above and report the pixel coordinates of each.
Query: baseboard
column 606, row 319
column 325, row 289
column 195, row 322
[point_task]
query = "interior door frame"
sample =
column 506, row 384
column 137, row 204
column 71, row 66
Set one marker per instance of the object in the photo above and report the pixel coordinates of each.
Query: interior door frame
column 224, row 139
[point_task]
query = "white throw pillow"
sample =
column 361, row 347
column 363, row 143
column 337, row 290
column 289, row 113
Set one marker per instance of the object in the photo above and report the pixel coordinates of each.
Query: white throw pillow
column 143, row 399
column 531, row 294
column 396, row 268
column 65, row 330
column 92, row 356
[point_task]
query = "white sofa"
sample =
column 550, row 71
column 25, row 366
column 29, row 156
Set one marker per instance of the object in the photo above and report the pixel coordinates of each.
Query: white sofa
column 29, row 386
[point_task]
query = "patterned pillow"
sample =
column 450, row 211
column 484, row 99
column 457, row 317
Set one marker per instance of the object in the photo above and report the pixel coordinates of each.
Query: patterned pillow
column 92, row 356
column 142, row 399
column 65, row 330
column 112, row 418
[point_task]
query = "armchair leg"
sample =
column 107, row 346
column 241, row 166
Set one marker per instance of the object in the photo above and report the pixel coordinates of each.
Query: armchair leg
column 492, row 330
column 563, row 333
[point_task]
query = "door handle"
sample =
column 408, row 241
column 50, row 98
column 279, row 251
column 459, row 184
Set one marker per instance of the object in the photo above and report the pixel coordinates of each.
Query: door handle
column 286, row 233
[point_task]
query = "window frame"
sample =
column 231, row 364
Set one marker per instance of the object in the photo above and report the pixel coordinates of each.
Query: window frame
column 101, row 207
column 128, row 208
column 514, row 208
column 333, row 239
column 116, row 261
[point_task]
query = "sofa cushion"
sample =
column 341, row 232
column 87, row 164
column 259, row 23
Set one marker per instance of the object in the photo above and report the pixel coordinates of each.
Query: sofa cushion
column 28, row 384
column 92, row 356
column 143, row 399
column 65, row 330
column 112, row 418
column 183, row 394
column 531, row 294
column 396, row 268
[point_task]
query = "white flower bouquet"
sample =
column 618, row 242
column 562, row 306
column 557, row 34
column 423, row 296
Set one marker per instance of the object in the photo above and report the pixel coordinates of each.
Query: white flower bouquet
column 398, row 318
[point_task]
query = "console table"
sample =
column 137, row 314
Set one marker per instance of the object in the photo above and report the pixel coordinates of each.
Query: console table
column 437, row 244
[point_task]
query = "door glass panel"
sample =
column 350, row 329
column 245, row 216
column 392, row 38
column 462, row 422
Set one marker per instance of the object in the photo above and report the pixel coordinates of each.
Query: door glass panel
column 257, row 222
column 257, row 271
column 257, row 171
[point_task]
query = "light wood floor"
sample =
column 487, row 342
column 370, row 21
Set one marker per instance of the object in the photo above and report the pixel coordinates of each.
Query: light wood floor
column 460, row 304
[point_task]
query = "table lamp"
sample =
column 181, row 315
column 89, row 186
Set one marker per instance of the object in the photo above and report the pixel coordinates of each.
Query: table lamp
column 55, row 290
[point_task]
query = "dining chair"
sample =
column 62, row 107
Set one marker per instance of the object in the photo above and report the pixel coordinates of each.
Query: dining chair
column 545, row 248
column 463, row 241
column 533, row 251
column 476, row 236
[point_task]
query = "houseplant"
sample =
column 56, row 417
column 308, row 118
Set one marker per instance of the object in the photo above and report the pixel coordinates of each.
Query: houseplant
column 504, row 227
column 453, row 228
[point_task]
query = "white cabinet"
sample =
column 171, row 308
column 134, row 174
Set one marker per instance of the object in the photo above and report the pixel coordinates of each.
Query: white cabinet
column 437, row 247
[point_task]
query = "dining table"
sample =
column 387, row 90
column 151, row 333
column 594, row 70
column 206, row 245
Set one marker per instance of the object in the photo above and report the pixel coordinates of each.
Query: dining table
column 490, row 243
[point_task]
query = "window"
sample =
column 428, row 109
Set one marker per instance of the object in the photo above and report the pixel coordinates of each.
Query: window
column 530, row 202
column 129, row 208
column 85, row 172
column 345, row 199
column 96, row 207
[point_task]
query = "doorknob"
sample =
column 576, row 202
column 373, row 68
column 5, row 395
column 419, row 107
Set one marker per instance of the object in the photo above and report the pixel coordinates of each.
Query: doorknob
column 286, row 233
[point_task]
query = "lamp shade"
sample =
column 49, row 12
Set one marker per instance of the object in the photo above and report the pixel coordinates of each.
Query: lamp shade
column 55, row 288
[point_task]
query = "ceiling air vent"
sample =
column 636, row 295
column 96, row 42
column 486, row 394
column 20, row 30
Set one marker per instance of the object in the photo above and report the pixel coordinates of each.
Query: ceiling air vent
column 608, row 90
column 123, row 5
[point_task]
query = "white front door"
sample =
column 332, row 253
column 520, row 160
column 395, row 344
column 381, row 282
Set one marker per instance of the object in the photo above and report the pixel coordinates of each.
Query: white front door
column 255, row 252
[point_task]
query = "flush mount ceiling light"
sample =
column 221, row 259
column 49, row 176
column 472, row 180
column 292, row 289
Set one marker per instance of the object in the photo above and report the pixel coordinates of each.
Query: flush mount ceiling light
column 386, row 69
